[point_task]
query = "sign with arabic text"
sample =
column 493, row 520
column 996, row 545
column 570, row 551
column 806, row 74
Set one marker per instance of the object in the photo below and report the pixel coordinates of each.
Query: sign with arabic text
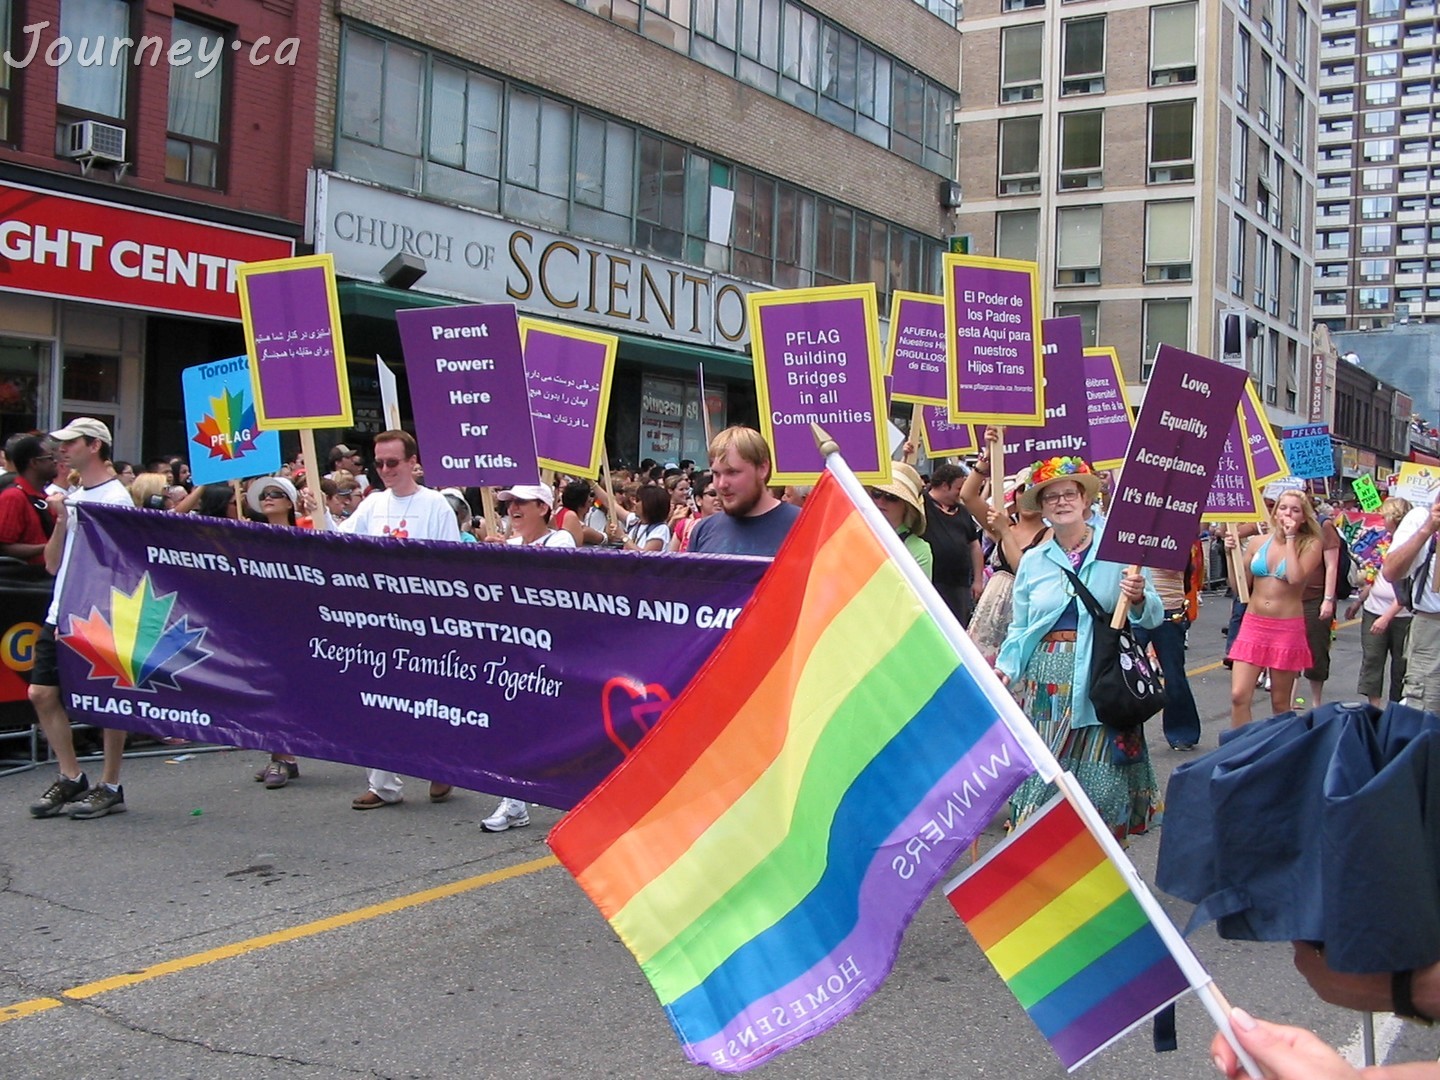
column 568, row 372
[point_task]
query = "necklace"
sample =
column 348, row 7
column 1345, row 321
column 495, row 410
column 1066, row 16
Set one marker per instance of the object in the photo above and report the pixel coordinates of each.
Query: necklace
column 1083, row 542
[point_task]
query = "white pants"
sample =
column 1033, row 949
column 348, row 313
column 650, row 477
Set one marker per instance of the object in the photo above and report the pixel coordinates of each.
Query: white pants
column 385, row 784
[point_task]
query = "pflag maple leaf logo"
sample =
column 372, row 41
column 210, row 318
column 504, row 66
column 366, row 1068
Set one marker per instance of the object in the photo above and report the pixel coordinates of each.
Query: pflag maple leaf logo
column 229, row 431
column 139, row 647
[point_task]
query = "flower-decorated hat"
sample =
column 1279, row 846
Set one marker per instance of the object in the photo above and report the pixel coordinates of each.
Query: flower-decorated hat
column 1047, row 472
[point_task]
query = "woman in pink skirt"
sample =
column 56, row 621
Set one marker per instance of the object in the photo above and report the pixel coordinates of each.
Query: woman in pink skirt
column 1272, row 635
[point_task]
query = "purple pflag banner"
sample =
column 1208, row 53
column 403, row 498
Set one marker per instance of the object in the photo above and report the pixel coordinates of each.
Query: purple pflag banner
column 992, row 334
column 817, row 361
column 568, row 372
column 1234, row 495
column 917, row 356
column 1155, row 510
column 1111, row 418
column 1265, row 453
column 526, row 672
column 291, row 315
column 939, row 437
column 469, row 395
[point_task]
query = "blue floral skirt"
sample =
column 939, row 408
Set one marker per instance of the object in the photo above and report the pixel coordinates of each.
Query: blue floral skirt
column 1113, row 767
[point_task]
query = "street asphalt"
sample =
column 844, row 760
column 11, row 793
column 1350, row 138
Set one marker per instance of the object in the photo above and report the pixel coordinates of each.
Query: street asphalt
column 218, row 929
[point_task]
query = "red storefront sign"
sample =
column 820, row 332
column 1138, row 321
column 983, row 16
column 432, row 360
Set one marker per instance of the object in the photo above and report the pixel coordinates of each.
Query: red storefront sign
column 82, row 249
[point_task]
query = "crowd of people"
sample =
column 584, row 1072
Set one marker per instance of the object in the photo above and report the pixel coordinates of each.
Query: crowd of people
column 1011, row 564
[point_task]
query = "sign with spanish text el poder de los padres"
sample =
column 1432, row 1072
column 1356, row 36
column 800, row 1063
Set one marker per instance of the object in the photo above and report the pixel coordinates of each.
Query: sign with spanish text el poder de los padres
column 1111, row 419
column 468, row 394
column 916, row 357
column 1155, row 510
column 291, row 314
column 817, row 361
column 992, row 334
column 220, row 420
column 568, row 372
column 528, row 672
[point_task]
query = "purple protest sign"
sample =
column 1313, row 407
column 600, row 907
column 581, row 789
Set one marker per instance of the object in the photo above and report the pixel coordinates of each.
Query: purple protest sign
column 1066, row 427
column 1233, row 493
column 529, row 672
column 917, row 357
column 1265, row 453
column 1108, row 409
column 992, row 333
column 1190, row 406
column 568, row 372
column 468, row 392
column 291, row 316
column 817, row 362
column 939, row 437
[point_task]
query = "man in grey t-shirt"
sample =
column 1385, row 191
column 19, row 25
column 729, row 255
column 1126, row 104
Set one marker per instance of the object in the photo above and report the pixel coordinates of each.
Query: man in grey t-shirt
column 755, row 522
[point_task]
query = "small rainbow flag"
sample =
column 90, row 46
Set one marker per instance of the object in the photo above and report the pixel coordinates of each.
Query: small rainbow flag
column 1053, row 914
column 767, row 843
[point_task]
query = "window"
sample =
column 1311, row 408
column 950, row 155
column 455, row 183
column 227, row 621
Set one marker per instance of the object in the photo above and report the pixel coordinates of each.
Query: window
column 1277, row 104
column 1376, row 237
column 1242, row 69
column 1262, row 258
column 1374, row 269
column 1382, row 93
column 192, row 145
column 1372, row 209
column 1172, row 151
column 1168, row 226
column 1082, row 68
column 1377, row 179
column 1172, row 44
column 1167, row 322
column 1082, row 136
column 1088, row 312
column 660, row 201
column 1378, row 149
column 1374, row 299
column 1332, row 271
column 1237, row 255
column 1333, row 240
column 604, row 178
column 836, row 247
column 1380, row 121
column 838, row 59
column 759, row 44
column 1240, row 160
column 1298, row 203
column 1272, row 292
column 1017, row 235
column 1383, row 37
column 755, row 227
column 1330, row 298
column 800, row 60
column 84, row 86
column 381, row 105
column 1384, row 9
column 537, row 160
column 1022, row 5
column 1379, row 65
column 1078, row 255
column 1302, row 40
column 1020, row 74
column 463, row 158
column 1410, row 235
column 1020, row 155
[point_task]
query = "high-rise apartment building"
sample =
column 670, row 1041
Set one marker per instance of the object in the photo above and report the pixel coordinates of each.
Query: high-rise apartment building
column 1377, row 247
column 1157, row 160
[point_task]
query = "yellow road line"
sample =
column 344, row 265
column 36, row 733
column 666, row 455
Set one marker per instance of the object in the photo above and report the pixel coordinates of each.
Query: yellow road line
column 264, row 941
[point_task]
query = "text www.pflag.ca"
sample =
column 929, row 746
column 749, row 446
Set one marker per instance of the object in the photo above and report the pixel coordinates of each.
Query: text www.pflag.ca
column 452, row 714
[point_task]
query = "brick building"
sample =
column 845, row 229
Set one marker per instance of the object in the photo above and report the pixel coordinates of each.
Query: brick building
column 145, row 150
column 635, row 167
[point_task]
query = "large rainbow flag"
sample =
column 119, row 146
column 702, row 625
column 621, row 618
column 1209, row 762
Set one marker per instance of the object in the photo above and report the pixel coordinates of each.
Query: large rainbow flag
column 1053, row 914
column 764, row 848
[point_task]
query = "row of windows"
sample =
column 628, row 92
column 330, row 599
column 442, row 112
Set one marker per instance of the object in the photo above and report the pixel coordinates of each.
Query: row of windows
column 1170, row 159
column 1379, row 65
column 1380, row 298
column 1078, row 236
column 1082, row 54
column 790, row 51
column 1376, row 269
column 1378, row 207
column 1377, row 10
column 416, row 122
column 1256, row 258
column 1374, row 239
column 1379, row 122
column 101, row 88
column 1270, row 104
column 1381, row 93
column 1379, row 179
column 1383, row 36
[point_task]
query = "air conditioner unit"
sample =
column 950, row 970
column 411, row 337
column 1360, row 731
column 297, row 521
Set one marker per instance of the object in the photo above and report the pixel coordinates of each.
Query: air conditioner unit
column 91, row 141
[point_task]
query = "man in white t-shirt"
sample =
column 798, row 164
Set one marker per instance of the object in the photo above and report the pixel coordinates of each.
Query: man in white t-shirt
column 1412, row 550
column 84, row 445
column 404, row 511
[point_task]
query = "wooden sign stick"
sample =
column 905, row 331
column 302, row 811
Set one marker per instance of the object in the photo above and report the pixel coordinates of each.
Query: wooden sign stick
column 606, row 484
column 487, row 507
column 1122, row 606
column 997, row 474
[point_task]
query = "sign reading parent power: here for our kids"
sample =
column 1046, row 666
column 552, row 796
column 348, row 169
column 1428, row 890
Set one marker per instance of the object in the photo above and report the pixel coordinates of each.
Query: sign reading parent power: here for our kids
column 468, row 394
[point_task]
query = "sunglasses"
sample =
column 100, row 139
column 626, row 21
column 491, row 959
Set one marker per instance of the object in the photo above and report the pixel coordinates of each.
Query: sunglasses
column 710, row 493
column 273, row 493
column 389, row 463
column 346, row 493
column 885, row 496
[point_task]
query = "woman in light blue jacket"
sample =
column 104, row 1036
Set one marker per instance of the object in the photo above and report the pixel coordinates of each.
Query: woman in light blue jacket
column 1045, row 658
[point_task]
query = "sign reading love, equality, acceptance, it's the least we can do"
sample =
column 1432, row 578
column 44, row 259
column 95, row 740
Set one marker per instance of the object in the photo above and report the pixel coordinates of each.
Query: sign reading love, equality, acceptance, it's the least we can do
column 468, row 393
column 1190, row 408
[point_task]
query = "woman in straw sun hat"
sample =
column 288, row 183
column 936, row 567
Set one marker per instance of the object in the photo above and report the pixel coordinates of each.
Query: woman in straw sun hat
column 900, row 502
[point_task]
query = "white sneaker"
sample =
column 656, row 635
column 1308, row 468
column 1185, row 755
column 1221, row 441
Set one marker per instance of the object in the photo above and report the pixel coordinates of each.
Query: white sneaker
column 510, row 814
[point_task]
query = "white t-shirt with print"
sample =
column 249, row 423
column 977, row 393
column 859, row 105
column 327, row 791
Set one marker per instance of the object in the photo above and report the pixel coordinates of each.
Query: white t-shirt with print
column 424, row 514
column 111, row 492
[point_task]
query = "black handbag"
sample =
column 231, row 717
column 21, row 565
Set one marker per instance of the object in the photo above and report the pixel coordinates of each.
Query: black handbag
column 1126, row 689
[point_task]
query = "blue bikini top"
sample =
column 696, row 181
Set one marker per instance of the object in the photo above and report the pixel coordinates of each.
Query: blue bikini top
column 1260, row 564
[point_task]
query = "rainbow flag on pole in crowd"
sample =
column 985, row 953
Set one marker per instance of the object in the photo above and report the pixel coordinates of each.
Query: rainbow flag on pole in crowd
column 767, row 843
column 1053, row 913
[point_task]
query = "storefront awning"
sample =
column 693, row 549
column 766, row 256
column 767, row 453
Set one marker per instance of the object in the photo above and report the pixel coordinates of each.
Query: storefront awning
column 371, row 308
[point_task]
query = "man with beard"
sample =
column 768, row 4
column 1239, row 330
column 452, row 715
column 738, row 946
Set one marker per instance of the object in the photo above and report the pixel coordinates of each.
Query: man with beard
column 755, row 522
